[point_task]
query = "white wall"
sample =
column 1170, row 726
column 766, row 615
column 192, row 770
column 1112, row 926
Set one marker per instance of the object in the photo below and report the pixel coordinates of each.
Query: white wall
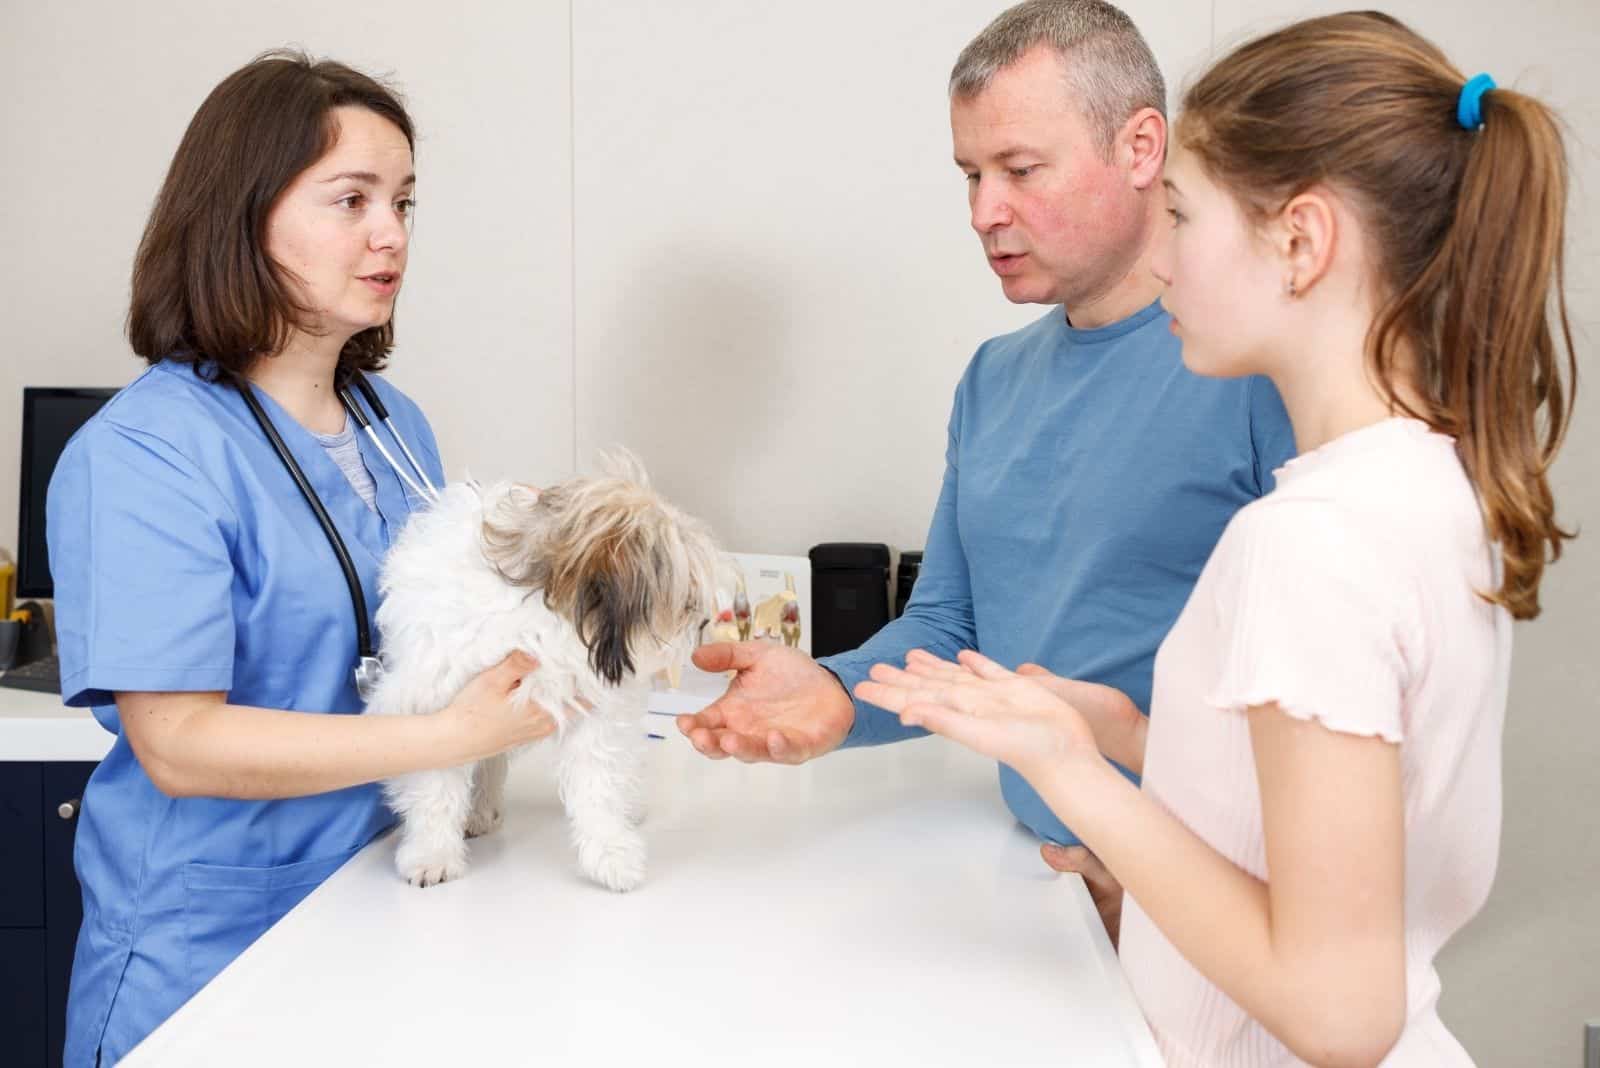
column 771, row 294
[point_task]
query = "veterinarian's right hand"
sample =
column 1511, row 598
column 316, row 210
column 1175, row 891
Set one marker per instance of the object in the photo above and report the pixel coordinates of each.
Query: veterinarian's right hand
column 488, row 718
column 781, row 707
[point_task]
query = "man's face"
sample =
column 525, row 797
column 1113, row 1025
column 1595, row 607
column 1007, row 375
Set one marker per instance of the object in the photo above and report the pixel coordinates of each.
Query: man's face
column 1059, row 224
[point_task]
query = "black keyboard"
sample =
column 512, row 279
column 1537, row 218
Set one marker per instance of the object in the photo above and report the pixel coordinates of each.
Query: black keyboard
column 42, row 675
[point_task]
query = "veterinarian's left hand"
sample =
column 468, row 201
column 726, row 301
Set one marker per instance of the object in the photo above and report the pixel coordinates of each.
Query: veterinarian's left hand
column 489, row 716
column 985, row 707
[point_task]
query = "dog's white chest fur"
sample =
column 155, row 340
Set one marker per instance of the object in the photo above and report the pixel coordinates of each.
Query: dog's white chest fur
column 448, row 614
column 462, row 589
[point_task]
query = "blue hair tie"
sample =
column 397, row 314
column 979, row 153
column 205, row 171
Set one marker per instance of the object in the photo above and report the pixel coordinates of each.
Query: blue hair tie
column 1469, row 108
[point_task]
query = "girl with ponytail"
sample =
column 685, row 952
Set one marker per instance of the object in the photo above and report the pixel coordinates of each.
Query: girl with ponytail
column 1320, row 808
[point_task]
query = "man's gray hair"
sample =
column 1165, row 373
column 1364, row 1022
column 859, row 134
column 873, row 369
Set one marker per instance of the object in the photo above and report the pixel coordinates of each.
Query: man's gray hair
column 1110, row 70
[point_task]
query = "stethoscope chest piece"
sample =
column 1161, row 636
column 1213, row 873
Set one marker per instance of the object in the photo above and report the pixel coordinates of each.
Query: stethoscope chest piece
column 369, row 673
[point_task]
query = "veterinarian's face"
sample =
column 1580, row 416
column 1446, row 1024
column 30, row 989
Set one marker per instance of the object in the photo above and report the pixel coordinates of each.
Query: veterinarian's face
column 341, row 229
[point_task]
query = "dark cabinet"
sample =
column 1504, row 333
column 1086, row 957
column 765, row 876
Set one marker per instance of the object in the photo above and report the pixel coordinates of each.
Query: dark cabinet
column 23, row 1002
column 22, row 845
column 40, row 906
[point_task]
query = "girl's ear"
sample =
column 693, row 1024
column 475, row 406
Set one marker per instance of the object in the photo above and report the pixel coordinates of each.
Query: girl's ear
column 1305, row 235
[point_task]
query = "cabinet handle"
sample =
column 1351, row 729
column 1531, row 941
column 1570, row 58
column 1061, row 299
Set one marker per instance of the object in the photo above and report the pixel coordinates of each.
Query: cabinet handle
column 68, row 809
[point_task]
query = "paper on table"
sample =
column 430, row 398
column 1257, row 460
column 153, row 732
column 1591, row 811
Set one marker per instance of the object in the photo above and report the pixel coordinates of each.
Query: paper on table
column 695, row 690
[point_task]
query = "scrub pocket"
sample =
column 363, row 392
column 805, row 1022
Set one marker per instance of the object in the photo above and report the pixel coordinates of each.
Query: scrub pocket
column 227, row 908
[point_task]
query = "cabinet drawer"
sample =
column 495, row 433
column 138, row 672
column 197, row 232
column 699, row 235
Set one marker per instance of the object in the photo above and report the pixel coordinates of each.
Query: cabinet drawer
column 22, row 844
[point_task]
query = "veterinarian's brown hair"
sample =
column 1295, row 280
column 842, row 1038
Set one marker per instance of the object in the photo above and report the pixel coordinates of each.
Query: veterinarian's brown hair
column 204, row 288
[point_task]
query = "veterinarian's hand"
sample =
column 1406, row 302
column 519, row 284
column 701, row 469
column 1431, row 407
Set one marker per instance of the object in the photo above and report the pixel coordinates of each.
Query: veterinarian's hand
column 488, row 716
column 782, row 707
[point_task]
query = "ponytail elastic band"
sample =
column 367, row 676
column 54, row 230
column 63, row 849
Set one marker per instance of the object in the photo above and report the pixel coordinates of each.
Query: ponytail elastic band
column 1469, row 108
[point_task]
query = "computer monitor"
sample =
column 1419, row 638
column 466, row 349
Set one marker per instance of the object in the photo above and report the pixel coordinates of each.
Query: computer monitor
column 49, row 417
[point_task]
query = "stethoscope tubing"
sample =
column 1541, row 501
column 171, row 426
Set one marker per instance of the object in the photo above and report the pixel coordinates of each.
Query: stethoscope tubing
column 430, row 494
column 378, row 409
column 358, row 600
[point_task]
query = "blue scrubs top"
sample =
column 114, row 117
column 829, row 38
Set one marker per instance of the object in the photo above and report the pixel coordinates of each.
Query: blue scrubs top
column 185, row 559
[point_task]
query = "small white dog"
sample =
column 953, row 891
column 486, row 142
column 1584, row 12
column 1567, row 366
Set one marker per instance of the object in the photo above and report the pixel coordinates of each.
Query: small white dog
column 598, row 578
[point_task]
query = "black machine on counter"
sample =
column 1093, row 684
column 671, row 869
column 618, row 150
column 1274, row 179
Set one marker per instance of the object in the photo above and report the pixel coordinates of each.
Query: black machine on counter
column 50, row 416
column 850, row 592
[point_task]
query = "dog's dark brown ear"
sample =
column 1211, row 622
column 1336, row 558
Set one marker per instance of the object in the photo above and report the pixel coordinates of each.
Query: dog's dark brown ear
column 605, row 614
column 582, row 545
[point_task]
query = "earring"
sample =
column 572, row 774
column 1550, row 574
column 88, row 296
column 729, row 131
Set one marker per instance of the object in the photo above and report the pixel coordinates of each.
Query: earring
column 1288, row 286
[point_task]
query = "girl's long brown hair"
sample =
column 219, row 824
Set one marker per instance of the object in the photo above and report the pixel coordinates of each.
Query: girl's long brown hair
column 1469, row 227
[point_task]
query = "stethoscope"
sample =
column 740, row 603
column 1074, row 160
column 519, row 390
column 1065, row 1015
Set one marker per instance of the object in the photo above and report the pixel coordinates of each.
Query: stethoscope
column 368, row 669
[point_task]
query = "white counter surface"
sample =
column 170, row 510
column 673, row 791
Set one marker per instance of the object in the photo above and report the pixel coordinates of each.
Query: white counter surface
column 37, row 726
column 874, row 907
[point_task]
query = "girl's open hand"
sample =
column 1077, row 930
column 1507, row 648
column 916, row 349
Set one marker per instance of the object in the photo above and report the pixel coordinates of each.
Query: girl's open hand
column 985, row 707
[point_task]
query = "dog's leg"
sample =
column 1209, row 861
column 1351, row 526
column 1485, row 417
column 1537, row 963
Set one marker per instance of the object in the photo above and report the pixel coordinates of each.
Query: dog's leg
column 488, row 796
column 636, row 808
column 600, row 782
column 631, row 727
column 433, row 807
column 632, row 789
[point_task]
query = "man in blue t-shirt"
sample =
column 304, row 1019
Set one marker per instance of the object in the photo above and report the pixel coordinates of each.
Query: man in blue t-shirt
column 1088, row 474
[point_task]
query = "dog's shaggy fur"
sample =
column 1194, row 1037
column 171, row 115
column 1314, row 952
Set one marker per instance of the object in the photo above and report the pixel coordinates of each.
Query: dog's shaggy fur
column 599, row 579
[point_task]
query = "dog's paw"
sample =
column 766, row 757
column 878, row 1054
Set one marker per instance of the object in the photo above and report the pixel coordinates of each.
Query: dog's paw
column 484, row 821
column 424, row 867
column 617, row 863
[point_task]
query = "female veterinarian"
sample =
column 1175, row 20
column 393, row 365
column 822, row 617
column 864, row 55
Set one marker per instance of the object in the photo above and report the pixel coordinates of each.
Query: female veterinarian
column 214, row 529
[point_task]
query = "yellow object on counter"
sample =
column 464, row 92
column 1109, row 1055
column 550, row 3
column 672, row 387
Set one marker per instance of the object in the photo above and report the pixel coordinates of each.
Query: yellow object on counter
column 8, row 584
